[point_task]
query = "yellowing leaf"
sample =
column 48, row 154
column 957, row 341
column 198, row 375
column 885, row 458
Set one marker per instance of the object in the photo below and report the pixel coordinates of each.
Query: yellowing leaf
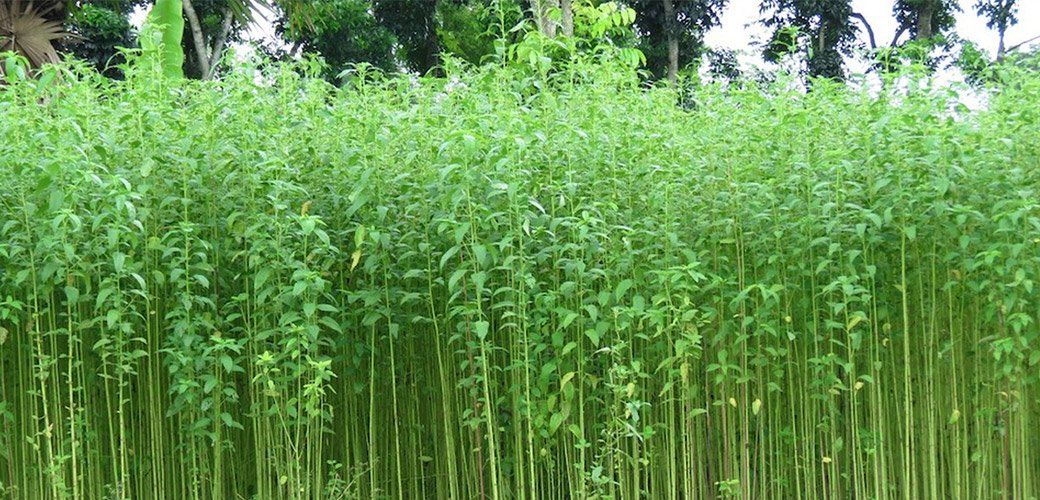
column 355, row 258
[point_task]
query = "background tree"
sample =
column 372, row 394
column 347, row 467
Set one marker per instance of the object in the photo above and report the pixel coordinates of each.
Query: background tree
column 567, row 17
column 423, row 29
column 542, row 12
column 723, row 65
column 413, row 24
column 343, row 32
column 468, row 28
column 928, row 24
column 825, row 24
column 1000, row 15
column 101, row 27
column 924, row 19
column 211, row 25
column 671, row 34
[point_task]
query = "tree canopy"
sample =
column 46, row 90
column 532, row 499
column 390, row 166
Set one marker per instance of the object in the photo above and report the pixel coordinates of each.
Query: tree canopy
column 822, row 36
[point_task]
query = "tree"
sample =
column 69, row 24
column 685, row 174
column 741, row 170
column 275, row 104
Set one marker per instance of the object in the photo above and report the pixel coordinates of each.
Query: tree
column 468, row 28
column 826, row 24
column 30, row 29
column 403, row 34
column 1000, row 15
column 344, row 32
column 542, row 12
column 567, row 17
column 212, row 23
column 979, row 70
column 101, row 28
column 413, row 24
column 671, row 28
column 924, row 19
column 723, row 65
column 671, row 34
column 423, row 29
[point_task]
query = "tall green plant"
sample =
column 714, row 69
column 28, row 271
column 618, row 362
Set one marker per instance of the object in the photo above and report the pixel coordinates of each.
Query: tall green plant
column 512, row 283
column 163, row 33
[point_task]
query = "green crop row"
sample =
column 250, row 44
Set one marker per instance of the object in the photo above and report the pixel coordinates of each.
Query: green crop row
column 497, row 285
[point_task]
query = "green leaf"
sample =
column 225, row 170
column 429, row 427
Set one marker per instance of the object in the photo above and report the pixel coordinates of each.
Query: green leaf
column 622, row 288
column 161, row 35
column 261, row 278
column 72, row 294
column 230, row 422
column 481, row 329
column 593, row 336
column 227, row 363
column 558, row 418
column 568, row 319
column 448, row 255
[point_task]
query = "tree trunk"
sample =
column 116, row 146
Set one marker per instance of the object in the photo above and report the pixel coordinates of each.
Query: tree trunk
column 432, row 49
column 1001, row 48
column 208, row 57
column 672, row 40
column 197, row 38
column 550, row 23
column 868, row 27
column 567, row 16
column 538, row 12
column 925, row 18
column 1002, row 17
column 218, row 45
column 542, row 19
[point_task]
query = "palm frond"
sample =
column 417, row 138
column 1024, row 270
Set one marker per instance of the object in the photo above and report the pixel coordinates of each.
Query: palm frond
column 299, row 13
column 25, row 29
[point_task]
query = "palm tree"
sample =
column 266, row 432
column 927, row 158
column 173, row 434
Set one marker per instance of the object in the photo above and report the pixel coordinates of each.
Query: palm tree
column 31, row 28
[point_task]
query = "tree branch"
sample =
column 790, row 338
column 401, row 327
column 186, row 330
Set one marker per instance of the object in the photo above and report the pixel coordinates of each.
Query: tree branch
column 899, row 33
column 870, row 30
column 1019, row 45
column 218, row 45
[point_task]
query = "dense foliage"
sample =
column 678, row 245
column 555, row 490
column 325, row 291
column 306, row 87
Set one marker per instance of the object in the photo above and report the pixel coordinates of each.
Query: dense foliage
column 508, row 283
column 690, row 21
column 828, row 32
column 818, row 36
column 101, row 28
column 345, row 32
